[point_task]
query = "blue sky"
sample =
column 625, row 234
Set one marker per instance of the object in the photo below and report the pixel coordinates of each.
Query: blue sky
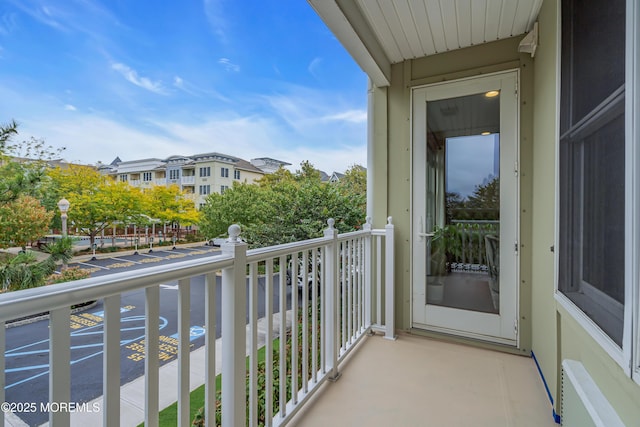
column 141, row 78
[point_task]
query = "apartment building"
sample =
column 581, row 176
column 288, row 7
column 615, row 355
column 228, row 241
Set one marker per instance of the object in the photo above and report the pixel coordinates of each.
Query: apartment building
column 198, row 175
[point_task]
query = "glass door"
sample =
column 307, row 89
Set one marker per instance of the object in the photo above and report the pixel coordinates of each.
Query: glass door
column 465, row 203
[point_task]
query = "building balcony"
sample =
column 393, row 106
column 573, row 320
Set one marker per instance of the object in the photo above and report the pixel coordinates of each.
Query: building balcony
column 188, row 180
column 341, row 287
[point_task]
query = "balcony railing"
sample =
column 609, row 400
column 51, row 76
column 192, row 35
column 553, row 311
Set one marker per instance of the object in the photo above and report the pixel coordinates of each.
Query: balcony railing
column 344, row 282
column 188, row 180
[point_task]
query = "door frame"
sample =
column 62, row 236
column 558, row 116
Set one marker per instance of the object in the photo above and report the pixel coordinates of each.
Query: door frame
column 450, row 89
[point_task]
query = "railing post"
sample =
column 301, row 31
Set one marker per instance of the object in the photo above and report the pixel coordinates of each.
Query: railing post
column 329, row 295
column 234, row 296
column 389, row 315
column 368, row 265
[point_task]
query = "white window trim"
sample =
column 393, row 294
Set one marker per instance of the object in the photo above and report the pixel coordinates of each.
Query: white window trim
column 628, row 357
column 632, row 118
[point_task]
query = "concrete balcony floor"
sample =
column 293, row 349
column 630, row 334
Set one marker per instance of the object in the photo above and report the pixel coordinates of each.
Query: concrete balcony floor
column 416, row 381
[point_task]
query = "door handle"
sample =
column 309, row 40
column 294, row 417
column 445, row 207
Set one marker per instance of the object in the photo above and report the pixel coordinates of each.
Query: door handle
column 421, row 233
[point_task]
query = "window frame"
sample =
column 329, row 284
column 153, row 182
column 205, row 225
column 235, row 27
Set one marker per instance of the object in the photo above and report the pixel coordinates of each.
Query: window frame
column 224, row 172
column 205, row 171
column 628, row 355
column 146, row 175
column 236, row 174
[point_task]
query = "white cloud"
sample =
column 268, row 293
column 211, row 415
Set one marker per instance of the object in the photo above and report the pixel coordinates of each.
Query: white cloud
column 228, row 65
column 70, row 107
column 214, row 12
column 8, row 23
column 353, row 116
column 144, row 82
column 313, row 66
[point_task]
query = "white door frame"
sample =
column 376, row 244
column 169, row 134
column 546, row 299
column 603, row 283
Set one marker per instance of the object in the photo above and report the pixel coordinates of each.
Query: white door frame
column 502, row 328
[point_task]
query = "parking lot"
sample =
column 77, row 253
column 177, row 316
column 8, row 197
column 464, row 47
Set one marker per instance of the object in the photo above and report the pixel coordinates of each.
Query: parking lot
column 130, row 260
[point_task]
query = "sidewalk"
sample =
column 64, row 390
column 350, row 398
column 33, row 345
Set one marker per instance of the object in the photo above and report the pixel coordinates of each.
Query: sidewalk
column 132, row 394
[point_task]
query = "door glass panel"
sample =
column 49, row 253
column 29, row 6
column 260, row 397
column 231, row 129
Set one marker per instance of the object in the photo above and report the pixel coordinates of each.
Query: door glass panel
column 463, row 202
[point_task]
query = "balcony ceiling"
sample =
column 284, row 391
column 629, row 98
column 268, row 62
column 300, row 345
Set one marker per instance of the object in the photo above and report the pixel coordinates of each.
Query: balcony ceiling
column 378, row 33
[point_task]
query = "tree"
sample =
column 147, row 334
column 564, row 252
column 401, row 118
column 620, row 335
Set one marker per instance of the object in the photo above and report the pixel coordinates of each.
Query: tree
column 170, row 204
column 22, row 221
column 96, row 201
column 283, row 207
column 22, row 165
column 485, row 200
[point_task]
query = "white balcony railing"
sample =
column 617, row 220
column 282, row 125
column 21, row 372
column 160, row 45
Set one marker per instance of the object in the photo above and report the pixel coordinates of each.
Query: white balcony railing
column 345, row 283
column 188, row 180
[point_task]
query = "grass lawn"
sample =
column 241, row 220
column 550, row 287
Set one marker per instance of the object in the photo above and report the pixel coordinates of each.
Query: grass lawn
column 169, row 415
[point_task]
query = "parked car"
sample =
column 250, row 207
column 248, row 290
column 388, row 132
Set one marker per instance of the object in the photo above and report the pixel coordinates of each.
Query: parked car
column 300, row 280
column 216, row 241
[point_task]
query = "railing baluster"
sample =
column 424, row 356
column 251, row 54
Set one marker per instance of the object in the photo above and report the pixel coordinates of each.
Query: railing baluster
column 282, row 354
column 343, row 295
column 296, row 272
column 184, row 342
column 151, row 357
column 210, row 349
column 59, row 364
column 111, row 362
column 253, row 352
column 268, row 382
column 351, row 292
column 305, row 322
column 361, row 289
column 3, row 381
column 314, row 314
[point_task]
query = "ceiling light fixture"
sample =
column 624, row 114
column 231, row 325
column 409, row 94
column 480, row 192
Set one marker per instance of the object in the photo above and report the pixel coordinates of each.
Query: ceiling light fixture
column 485, row 133
column 492, row 93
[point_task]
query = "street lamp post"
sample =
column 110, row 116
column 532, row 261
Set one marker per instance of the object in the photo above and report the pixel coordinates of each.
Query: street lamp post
column 63, row 205
column 151, row 244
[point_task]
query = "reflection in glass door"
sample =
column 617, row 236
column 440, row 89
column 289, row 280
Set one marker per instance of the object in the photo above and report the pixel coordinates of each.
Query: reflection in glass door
column 464, row 248
column 465, row 208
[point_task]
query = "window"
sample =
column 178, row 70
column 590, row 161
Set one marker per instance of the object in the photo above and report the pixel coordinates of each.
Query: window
column 124, row 177
column 174, row 174
column 224, row 172
column 205, row 171
column 146, row 176
column 205, row 189
column 223, row 188
column 592, row 162
column 236, row 174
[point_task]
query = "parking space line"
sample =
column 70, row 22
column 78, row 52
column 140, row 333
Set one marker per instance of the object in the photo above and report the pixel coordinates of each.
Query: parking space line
column 93, row 265
column 150, row 256
column 126, row 260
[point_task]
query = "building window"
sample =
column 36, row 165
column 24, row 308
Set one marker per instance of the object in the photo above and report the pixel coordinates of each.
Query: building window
column 206, row 171
column 205, row 189
column 224, row 172
column 146, row 176
column 124, row 177
column 223, row 188
column 174, row 174
column 236, row 174
column 592, row 162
